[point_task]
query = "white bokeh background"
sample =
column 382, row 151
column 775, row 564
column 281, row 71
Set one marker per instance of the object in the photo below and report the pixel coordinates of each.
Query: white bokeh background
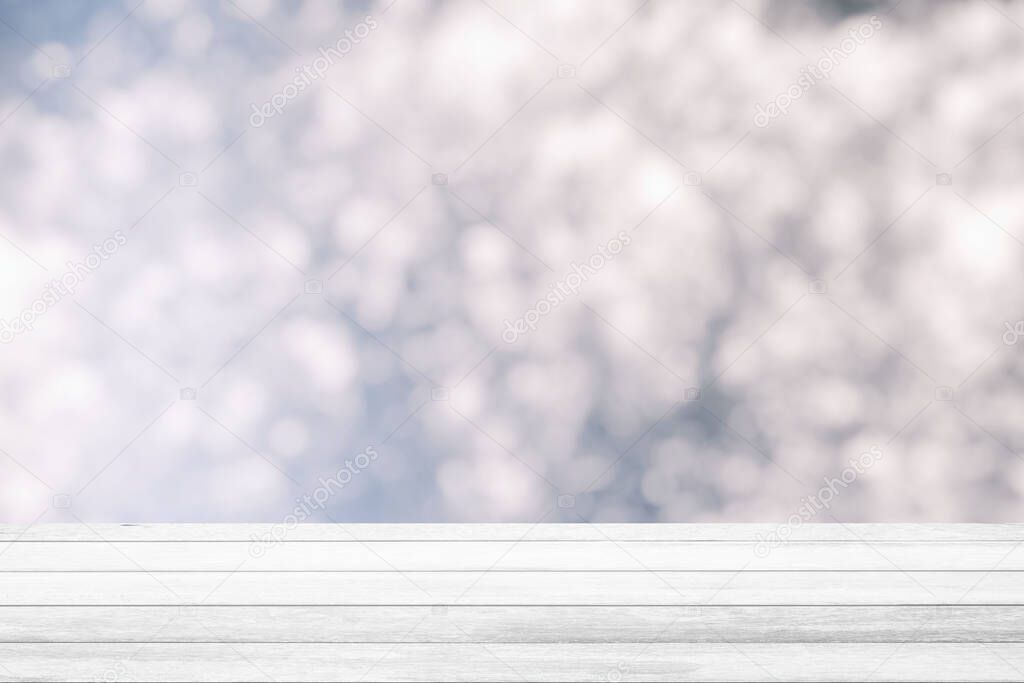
column 402, row 351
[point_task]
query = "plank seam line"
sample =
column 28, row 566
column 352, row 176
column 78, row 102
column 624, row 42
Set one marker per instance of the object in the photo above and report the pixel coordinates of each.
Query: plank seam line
column 666, row 605
column 724, row 570
column 737, row 541
column 476, row 606
column 833, row 680
column 510, row 642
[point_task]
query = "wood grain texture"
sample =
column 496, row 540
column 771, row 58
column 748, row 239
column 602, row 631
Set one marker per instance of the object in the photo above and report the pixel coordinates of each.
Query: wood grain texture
column 512, row 662
column 243, row 556
column 512, row 588
column 513, row 624
column 491, row 602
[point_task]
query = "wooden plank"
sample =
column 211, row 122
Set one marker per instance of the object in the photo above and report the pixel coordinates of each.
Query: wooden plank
column 512, row 602
column 512, row 556
column 513, row 624
column 511, row 588
column 655, row 662
column 514, row 532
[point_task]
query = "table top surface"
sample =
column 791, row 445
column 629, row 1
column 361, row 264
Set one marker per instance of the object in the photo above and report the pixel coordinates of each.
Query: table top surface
column 512, row 602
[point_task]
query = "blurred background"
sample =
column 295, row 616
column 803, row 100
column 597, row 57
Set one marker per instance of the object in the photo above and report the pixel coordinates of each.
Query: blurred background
column 219, row 288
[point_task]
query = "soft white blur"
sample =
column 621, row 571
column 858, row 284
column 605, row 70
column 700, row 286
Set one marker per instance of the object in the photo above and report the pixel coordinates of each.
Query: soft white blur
column 720, row 288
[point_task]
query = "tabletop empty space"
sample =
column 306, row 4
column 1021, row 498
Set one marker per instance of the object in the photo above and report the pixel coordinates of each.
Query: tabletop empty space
column 494, row 602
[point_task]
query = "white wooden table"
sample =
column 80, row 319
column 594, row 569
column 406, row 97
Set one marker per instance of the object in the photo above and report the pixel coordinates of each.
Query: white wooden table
column 512, row 602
